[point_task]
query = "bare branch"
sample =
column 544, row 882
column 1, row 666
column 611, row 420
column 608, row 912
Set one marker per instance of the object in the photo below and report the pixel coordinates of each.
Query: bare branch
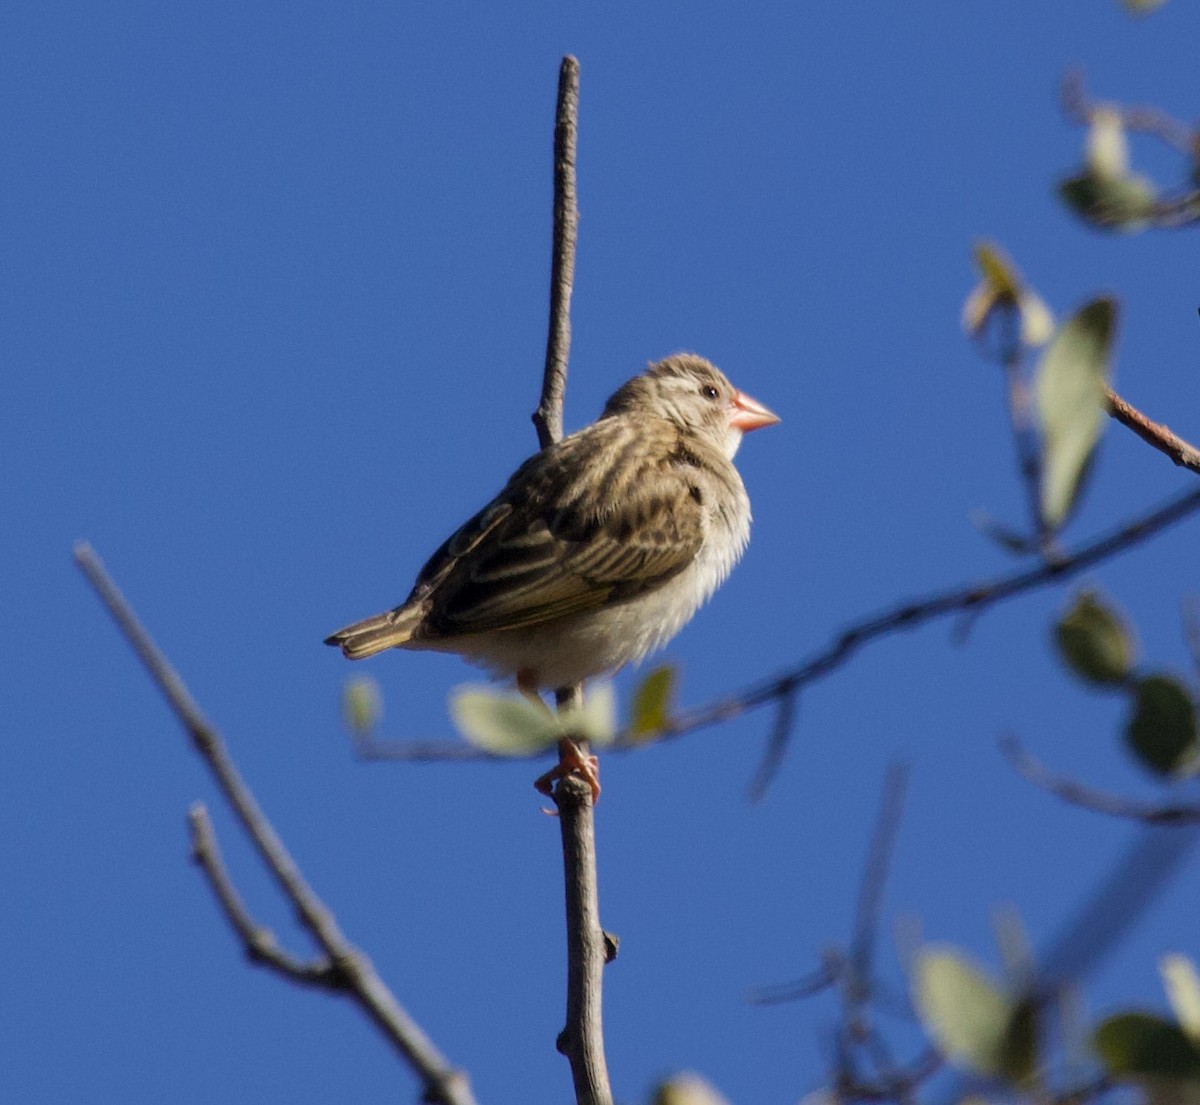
column 442, row 1083
column 831, row 970
column 259, row 941
column 548, row 418
column 858, row 1042
column 434, row 750
column 1029, row 767
column 777, row 742
column 1153, row 433
column 898, row 1085
column 582, row 1040
column 879, row 861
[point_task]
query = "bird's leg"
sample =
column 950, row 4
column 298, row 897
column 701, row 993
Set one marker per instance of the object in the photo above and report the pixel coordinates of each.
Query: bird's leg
column 573, row 757
column 527, row 685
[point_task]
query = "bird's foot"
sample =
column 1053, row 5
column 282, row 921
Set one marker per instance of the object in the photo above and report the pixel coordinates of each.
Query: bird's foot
column 572, row 761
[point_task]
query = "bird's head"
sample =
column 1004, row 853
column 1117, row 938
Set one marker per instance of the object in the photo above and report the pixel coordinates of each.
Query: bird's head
column 695, row 395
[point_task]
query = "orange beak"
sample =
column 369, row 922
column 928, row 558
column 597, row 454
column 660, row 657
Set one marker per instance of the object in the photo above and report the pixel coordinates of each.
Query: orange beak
column 749, row 414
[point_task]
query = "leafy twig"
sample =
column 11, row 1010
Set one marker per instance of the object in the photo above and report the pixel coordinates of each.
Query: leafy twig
column 970, row 598
column 1180, row 207
column 1079, row 108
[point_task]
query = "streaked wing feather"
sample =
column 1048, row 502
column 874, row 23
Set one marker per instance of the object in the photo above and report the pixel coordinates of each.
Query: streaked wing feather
column 557, row 551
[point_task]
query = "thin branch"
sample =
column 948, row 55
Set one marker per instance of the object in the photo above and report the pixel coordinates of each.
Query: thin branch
column 1156, row 434
column 855, row 968
column 1030, row 768
column 898, row 1086
column 259, row 941
column 857, row 1037
column 442, row 1083
column 777, row 742
column 548, row 418
column 582, row 1039
column 879, row 861
column 434, row 750
column 832, row 969
column 970, row 598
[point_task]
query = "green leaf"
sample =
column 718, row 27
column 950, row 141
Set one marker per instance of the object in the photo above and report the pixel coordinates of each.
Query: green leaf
column 998, row 270
column 362, row 704
column 1037, row 320
column 1094, row 641
column 970, row 1020
column 1070, row 384
column 1183, row 992
column 1123, row 203
column 1162, row 731
column 1018, row 1051
column 651, row 709
column 1140, row 1043
column 1003, row 288
column 503, row 724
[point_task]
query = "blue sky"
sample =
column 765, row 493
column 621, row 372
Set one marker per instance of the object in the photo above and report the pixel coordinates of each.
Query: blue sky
column 273, row 305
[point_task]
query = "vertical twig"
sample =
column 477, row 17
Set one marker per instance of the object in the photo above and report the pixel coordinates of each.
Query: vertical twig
column 582, row 1039
column 879, row 860
column 548, row 418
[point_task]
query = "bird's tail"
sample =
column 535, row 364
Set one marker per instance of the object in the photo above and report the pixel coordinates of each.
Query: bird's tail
column 389, row 630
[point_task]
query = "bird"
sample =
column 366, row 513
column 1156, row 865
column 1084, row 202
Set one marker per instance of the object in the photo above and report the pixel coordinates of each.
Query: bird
column 599, row 549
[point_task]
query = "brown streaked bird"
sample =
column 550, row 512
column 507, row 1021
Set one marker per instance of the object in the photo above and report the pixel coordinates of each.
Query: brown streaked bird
column 600, row 548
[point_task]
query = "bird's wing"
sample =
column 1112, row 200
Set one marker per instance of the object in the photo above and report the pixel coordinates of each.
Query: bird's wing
column 602, row 517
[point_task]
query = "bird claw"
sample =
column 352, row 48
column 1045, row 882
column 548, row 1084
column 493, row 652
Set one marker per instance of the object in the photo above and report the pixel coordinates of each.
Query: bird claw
column 571, row 761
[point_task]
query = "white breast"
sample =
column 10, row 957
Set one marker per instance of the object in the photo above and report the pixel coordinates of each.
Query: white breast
column 570, row 649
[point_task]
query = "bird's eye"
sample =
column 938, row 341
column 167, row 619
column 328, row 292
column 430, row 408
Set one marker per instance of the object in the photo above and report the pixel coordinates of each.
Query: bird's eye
column 710, row 392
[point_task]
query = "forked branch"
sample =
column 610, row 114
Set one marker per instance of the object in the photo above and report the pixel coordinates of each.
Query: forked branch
column 344, row 968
